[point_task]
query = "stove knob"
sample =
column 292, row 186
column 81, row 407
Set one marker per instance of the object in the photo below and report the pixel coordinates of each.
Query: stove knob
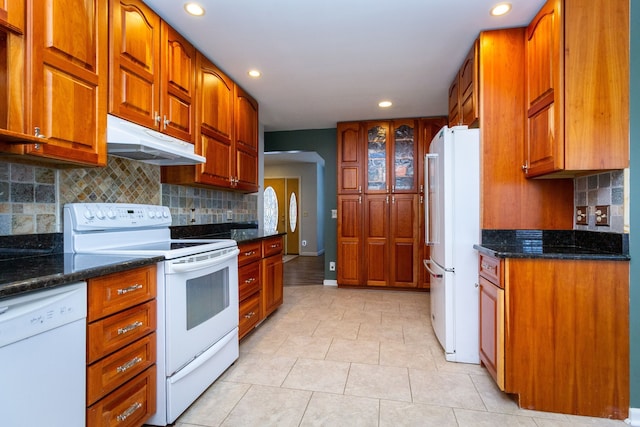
column 152, row 214
column 88, row 214
column 165, row 213
column 111, row 214
column 100, row 214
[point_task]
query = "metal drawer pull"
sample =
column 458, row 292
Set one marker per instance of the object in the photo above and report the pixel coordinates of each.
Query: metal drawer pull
column 130, row 364
column 249, row 253
column 275, row 245
column 485, row 266
column 130, row 327
column 250, row 280
column 249, row 315
column 130, row 410
column 129, row 289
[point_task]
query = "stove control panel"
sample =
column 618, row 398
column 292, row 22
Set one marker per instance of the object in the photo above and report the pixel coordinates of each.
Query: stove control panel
column 101, row 216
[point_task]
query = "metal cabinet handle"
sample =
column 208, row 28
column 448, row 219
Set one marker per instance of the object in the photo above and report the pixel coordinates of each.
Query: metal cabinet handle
column 156, row 118
column 359, row 188
column 166, row 122
column 129, row 289
column 129, row 411
column 130, row 364
column 129, row 328
column 249, row 315
column 249, row 253
column 250, row 280
column 275, row 245
column 37, row 134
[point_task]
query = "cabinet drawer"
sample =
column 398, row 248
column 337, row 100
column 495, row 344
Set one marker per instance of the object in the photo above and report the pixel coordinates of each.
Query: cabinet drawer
column 491, row 269
column 108, row 335
column 249, row 314
column 116, row 292
column 248, row 280
column 271, row 246
column 249, row 252
column 130, row 405
column 109, row 373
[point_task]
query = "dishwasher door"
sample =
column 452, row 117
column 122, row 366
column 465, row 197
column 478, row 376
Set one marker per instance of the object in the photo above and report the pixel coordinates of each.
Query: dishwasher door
column 43, row 358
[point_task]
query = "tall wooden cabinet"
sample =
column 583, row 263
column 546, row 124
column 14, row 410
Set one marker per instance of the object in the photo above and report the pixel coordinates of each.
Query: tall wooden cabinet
column 246, row 142
column 577, row 88
column 152, row 71
column 463, row 92
column 378, row 203
column 12, row 15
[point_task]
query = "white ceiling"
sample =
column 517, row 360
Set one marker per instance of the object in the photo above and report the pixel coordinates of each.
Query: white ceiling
column 325, row 61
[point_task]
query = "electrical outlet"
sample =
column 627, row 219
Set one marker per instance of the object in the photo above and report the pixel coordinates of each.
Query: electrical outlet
column 602, row 215
column 229, row 215
column 581, row 215
column 332, row 266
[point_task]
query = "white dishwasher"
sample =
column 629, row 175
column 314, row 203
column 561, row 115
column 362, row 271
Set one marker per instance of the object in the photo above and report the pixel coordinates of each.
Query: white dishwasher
column 43, row 358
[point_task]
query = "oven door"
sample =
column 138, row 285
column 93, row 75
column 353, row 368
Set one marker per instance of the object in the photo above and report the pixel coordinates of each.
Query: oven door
column 201, row 303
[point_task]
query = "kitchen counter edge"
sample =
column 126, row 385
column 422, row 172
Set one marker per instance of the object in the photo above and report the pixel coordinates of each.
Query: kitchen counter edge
column 504, row 252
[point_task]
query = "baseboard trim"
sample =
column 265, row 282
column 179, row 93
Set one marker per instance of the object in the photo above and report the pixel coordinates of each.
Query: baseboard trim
column 309, row 254
column 634, row 417
column 328, row 282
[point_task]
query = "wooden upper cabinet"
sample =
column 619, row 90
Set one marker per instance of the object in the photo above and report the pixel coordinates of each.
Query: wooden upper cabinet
column 67, row 80
column 468, row 87
column 463, row 92
column 246, row 142
column 134, row 67
column 577, row 88
column 12, row 13
column 214, row 123
column 350, row 162
column 152, row 71
column 177, row 84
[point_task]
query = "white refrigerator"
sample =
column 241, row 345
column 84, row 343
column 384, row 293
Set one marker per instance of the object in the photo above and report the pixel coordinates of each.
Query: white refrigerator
column 452, row 227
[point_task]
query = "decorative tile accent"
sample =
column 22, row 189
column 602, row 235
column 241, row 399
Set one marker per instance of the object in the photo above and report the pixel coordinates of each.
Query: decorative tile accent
column 605, row 188
column 31, row 197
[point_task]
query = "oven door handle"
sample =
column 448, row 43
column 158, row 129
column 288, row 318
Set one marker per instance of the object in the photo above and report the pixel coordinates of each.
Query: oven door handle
column 182, row 267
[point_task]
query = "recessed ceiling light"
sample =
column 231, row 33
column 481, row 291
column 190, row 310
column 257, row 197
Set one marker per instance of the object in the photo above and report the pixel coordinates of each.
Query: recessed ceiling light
column 500, row 9
column 255, row 73
column 194, row 9
column 385, row 104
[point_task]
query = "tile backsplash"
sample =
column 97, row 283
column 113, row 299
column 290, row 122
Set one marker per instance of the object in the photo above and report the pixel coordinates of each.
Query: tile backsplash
column 607, row 188
column 31, row 197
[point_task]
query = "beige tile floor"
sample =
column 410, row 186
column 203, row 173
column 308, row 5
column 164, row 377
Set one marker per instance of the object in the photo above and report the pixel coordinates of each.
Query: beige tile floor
column 340, row 357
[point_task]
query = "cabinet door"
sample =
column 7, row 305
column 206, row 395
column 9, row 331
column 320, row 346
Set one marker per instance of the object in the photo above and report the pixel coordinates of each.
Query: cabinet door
column 177, row 84
column 544, row 92
column 350, row 162
column 492, row 330
column 246, row 141
column 376, row 239
column 404, row 229
column 405, row 160
column 377, row 149
column 350, row 254
column 68, row 80
column 455, row 117
column 468, row 87
column 272, row 284
column 134, row 68
column 214, row 123
column 12, row 15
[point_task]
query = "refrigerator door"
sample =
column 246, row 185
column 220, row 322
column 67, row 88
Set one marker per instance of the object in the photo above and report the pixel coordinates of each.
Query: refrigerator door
column 438, row 170
column 441, row 287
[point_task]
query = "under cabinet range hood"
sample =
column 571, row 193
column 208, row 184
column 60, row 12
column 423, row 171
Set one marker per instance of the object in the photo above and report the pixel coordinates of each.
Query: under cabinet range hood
column 132, row 141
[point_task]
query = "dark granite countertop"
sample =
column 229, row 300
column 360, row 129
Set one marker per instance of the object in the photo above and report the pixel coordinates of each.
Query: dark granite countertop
column 240, row 232
column 555, row 244
column 25, row 273
column 34, row 262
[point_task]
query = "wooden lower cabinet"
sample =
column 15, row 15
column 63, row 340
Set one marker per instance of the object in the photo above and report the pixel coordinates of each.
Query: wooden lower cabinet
column 272, row 275
column 121, row 348
column 558, row 335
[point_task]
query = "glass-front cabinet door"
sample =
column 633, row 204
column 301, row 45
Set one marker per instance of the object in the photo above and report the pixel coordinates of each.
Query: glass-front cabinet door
column 377, row 157
column 405, row 157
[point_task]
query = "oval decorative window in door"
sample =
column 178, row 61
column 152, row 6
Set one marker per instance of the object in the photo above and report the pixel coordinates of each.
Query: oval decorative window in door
column 270, row 210
column 293, row 212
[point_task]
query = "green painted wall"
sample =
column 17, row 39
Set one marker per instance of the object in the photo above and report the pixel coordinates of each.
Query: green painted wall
column 634, row 202
column 323, row 142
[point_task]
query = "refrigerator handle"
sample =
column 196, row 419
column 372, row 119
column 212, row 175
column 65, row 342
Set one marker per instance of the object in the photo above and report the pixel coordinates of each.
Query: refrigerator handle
column 427, row 201
column 427, row 264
